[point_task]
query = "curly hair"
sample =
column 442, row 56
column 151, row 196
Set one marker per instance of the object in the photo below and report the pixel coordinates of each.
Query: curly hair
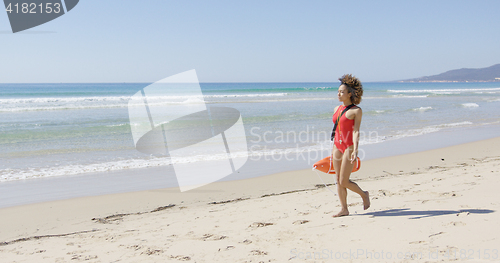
column 354, row 87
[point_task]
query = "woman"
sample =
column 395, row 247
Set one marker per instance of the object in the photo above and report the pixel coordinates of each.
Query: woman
column 346, row 141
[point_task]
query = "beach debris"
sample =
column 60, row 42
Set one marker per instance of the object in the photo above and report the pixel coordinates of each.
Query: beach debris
column 46, row 236
column 161, row 208
column 109, row 219
column 322, row 185
column 300, row 222
column 119, row 217
column 260, row 224
column 229, row 201
column 287, row 192
column 436, row 234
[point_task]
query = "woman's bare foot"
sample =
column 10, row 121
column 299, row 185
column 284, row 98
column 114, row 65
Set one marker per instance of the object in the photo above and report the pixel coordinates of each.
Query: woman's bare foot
column 366, row 201
column 342, row 213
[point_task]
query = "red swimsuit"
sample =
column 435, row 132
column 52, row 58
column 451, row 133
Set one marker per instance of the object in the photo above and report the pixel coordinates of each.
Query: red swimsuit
column 343, row 134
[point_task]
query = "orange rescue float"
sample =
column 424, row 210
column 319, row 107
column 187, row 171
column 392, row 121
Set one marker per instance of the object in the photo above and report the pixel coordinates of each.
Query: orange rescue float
column 324, row 164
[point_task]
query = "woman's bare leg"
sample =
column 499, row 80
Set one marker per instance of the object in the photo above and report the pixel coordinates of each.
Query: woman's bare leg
column 341, row 190
column 343, row 172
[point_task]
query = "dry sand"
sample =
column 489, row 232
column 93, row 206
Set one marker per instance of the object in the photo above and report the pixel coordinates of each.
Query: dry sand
column 439, row 205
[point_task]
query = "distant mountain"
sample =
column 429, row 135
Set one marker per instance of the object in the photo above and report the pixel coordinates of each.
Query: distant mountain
column 489, row 74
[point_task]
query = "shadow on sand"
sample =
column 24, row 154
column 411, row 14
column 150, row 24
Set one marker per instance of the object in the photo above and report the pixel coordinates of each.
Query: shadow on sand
column 429, row 213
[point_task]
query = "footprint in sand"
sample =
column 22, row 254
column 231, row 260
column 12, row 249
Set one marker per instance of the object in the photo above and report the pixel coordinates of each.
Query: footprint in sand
column 258, row 252
column 227, row 248
column 83, row 258
column 210, row 237
column 180, row 257
column 447, row 194
column 300, row 222
column 384, row 193
column 152, row 251
column 260, row 224
column 135, row 247
column 457, row 223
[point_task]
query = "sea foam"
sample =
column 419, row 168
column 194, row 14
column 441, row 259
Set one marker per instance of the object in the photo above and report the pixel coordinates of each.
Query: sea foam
column 422, row 109
column 470, row 105
column 443, row 91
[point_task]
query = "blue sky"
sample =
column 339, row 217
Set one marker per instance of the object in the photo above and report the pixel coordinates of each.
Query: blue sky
column 252, row 41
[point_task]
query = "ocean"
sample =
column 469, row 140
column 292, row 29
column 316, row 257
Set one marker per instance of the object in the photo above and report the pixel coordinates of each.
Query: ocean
column 57, row 130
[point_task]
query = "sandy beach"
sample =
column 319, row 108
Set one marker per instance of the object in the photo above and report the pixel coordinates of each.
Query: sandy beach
column 438, row 205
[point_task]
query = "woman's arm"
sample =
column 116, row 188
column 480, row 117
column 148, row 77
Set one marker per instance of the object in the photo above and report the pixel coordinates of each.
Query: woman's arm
column 332, row 145
column 355, row 133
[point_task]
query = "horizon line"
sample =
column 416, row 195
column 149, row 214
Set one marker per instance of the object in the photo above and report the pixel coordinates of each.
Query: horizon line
column 207, row 82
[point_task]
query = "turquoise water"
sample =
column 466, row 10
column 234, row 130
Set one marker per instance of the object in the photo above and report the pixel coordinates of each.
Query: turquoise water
column 77, row 129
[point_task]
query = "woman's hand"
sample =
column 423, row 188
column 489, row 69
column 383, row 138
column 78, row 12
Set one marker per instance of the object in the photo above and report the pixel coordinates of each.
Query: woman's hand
column 354, row 156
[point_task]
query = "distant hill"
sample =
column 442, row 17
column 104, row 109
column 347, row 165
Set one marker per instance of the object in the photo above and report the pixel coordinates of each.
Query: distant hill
column 489, row 74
